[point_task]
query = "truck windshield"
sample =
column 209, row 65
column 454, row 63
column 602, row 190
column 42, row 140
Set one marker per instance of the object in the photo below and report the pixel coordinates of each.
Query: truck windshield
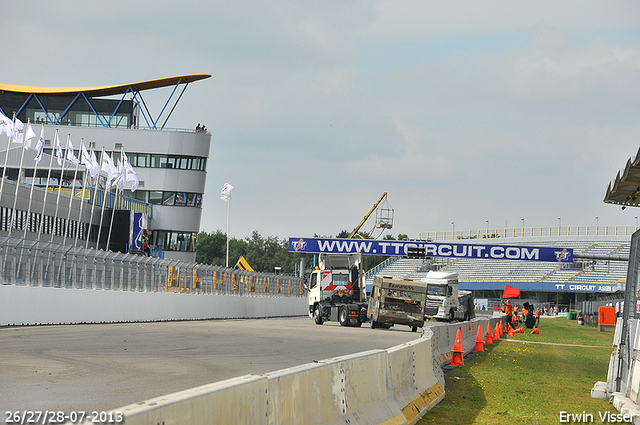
column 439, row 290
column 341, row 279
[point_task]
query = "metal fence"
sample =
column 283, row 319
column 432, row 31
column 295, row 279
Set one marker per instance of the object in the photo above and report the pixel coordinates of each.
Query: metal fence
column 529, row 232
column 58, row 266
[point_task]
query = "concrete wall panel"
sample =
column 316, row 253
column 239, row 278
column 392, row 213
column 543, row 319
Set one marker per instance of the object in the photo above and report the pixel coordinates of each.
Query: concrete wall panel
column 26, row 305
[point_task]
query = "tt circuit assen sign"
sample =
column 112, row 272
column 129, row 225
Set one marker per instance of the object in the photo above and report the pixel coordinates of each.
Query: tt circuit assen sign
column 432, row 249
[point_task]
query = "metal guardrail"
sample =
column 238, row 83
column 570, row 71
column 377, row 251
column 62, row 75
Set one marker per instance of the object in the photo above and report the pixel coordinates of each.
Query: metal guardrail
column 58, row 266
column 528, row 232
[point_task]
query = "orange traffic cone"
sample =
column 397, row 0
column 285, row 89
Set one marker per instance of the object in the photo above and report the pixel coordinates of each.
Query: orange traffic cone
column 488, row 338
column 479, row 341
column 535, row 331
column 500, row 327
column 519, row 331
column 496, row 333
column 504, row 326
column 458, row 351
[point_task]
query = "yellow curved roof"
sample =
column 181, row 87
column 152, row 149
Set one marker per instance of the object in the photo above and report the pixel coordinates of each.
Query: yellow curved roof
column 104, row 90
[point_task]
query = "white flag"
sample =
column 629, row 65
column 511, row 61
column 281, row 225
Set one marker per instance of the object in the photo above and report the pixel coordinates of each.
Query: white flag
column 108, row 167
column 40, row 146
column 95, row 167
column 130, row 174
column 70, row 154
column 28, row 135
column 86, row 158
column 6, row 125
column 58, row 150
column 18, row 132
column 225, row 195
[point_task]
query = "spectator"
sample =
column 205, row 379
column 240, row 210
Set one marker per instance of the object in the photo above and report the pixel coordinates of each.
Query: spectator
column 146, row 249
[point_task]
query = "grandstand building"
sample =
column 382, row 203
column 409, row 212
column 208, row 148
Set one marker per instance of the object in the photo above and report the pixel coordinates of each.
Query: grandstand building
column 171, row 166
column 599, row 267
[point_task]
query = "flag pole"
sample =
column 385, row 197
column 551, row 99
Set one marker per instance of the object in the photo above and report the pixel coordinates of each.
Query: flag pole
column 84, row 188
column 15, row 193
column 6, row 156
column 115, row 205
column 104, row 201
column 55, row 216
column 35, row 169
column 225, row 195
column 73, row 190
column 46, row 190
column 93, row 204
column 228, row 207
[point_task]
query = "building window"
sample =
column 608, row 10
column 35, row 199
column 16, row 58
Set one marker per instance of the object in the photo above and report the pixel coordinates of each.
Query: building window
column 168, row 198
column 174, row 241
column 167, row 161
column 155, row 197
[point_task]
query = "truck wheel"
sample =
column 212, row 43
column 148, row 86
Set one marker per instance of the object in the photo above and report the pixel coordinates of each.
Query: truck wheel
column 343, row 317
column 317, row 317
column 467, row 316
column 373, row 324
column 414, row 329
column 451, row 315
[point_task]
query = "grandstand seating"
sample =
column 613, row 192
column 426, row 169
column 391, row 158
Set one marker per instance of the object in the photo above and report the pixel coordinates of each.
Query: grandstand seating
column 480, row 270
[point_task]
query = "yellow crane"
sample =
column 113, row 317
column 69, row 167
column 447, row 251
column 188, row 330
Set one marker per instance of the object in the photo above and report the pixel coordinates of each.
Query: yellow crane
column 384, row 219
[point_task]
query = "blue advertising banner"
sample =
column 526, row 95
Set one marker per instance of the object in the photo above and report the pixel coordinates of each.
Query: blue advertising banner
column 432, row 249
column 542, row 286
column 138, row 225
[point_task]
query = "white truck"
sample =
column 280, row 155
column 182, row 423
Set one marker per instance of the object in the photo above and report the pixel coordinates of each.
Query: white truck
column 337, row 291
column 444, row 300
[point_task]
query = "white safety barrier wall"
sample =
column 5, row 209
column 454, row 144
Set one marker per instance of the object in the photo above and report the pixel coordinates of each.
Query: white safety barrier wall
column 115, row 287
column 27, row 305
column 627, row 398
column 398, row 385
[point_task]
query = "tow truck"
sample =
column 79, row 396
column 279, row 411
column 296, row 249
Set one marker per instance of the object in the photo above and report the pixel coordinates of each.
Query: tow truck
column 337, row 291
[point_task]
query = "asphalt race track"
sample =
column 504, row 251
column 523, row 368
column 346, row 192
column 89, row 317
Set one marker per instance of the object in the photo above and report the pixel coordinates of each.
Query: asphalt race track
column 106, row 366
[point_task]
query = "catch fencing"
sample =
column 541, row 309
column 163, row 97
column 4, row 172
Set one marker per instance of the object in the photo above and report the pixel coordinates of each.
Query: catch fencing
column 27, row 263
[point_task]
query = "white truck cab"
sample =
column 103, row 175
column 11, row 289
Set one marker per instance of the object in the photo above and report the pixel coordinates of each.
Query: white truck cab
column 444, row 300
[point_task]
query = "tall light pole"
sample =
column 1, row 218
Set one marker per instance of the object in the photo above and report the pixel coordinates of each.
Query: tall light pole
column 559, row 225
column 487, row 221
column 597, row 224
column 636, row 222
column 453, row 230
column 522, row 226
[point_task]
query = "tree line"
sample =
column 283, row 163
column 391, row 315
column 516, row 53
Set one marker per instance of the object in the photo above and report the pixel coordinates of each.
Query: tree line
column 264, row 254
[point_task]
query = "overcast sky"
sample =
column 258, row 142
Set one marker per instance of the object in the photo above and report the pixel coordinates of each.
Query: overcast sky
column 462, row 111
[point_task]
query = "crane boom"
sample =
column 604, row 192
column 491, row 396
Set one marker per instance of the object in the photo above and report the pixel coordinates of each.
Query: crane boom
column 367, row 216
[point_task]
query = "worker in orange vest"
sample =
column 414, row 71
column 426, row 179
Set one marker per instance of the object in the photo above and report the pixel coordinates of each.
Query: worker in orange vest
column 508, row 311
column 538, row 317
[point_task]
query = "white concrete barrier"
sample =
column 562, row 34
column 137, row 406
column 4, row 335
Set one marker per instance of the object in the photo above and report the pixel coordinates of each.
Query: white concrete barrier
column 413, row 383
column 26, row 305
column 240, row 400
column 396, row 386
column 305, row 394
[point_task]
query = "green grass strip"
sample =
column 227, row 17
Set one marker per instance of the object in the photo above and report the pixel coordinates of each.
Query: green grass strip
column 523, row 382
